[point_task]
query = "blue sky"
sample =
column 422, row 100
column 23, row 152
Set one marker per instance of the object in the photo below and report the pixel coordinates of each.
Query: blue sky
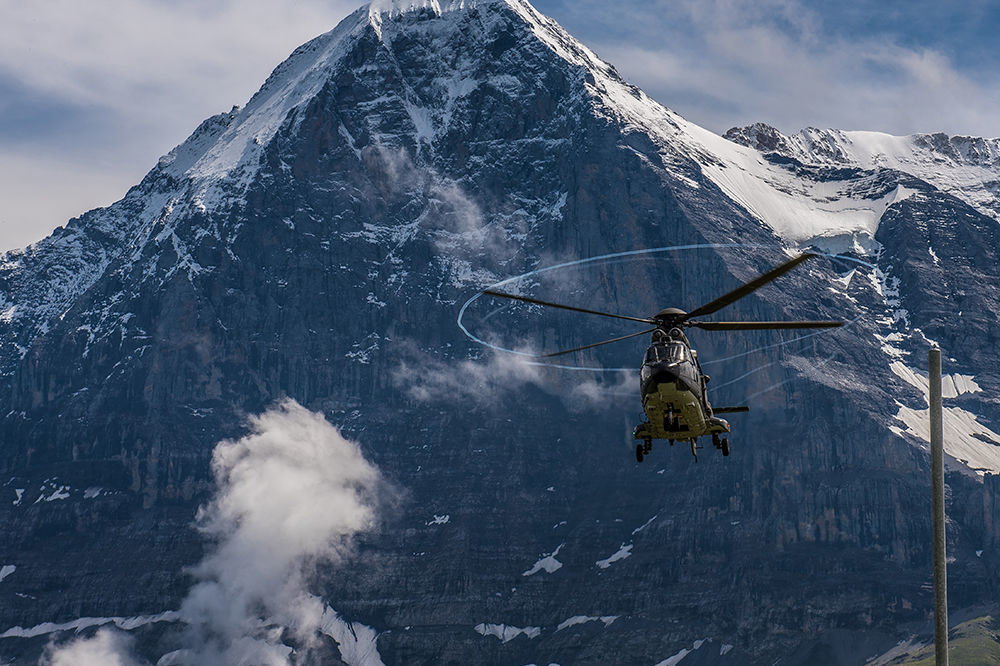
column 92, row 94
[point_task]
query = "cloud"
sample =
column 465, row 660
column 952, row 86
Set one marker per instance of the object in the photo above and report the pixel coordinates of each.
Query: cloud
column 727, row 62
column 290, row 496
column 40, row 193
column 428, row 378
column 125, row 53
column 123, row 81
column 450, row 215
column 105, row 648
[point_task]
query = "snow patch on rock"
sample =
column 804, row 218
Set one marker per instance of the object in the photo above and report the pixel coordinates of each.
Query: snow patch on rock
column 548, row 563
column 356, row 642
column 505, row 632
column 621, row 554
column 965, row 439
column 607, row 620
column 952, row 386
column 123, row 623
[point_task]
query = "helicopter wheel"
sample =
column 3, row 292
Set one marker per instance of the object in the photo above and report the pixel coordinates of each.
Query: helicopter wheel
column 725, row 447
column 716, row 442
column 639, row 452
column 671, row 442
column 647, row 447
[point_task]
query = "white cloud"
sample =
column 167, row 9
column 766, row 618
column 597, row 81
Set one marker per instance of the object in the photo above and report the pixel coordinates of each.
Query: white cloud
column 727, row 62
column 429, row 378
column 290, row 495
column 127, row 53
column 154, row 69
column 106, row 648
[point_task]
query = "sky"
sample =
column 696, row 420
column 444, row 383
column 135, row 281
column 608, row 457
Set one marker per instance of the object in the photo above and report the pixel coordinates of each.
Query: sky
column 91, row 94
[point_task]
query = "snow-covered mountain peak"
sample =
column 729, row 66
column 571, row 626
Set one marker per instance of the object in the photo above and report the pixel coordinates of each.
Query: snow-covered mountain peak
column 225, row 150
column 221, row 156
column 439, row 7
column 966, row 167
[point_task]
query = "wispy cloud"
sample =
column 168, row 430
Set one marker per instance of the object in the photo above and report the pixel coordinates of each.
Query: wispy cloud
column 728, row 62
column 487, row 381
column 450, row 215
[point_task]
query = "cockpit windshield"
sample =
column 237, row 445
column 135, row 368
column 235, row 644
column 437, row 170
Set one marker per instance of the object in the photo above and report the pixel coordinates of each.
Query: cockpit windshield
column 671, row 352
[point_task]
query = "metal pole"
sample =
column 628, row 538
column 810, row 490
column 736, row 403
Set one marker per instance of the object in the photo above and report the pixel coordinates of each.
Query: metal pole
column 937, row 490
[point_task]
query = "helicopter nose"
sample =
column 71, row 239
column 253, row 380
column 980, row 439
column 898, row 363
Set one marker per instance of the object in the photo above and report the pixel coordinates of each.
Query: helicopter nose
column 667, row 373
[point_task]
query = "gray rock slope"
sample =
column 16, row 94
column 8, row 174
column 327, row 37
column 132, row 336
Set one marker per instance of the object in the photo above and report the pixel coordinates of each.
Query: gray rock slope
column 318, row 244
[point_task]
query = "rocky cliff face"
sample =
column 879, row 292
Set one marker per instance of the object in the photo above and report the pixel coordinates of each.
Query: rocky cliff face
column 319, row 243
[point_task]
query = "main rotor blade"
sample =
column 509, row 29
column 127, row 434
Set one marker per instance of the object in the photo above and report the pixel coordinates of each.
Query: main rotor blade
column 761, row 325
column 598, row 344
column 748, row 288
column 535, row 301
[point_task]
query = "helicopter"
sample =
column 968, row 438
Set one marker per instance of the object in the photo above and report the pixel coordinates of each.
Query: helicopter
column 673, row 387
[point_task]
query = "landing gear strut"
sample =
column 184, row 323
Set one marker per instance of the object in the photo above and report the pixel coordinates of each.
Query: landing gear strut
column 694, row 449
column 643, row 449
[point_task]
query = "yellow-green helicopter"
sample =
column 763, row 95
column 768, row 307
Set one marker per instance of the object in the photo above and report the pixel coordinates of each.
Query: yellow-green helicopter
column 673, row 387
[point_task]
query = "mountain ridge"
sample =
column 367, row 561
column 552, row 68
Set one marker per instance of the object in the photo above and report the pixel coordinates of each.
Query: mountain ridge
column 441, row 154
column 966, row 166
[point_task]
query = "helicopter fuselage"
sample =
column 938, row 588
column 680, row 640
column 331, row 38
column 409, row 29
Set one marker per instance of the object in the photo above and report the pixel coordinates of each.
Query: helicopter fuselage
column 675, row 393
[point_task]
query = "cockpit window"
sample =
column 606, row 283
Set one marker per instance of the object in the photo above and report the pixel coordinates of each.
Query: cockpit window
column 672, row 352
column 676, row 352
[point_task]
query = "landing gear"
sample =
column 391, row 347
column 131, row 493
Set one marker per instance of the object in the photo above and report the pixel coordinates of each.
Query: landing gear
column 647, row 447
column 694, row 448
column 721, row 443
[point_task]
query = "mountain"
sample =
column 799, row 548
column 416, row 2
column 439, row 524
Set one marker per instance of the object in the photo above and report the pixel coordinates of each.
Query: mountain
column 963, row 166
column 319, row 243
